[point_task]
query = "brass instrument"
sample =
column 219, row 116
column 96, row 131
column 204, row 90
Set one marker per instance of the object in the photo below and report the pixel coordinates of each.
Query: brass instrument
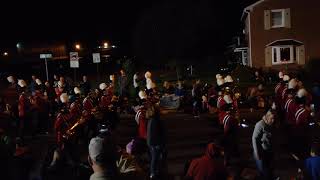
column 69, row 133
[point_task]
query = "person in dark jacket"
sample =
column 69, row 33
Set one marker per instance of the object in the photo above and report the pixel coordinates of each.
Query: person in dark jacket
column 85, row 86
column 156, row 140
column 208, row 167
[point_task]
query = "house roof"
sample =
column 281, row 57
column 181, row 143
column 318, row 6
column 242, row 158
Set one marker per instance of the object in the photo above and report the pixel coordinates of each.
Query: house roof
column 250, row 7
column 283, row 42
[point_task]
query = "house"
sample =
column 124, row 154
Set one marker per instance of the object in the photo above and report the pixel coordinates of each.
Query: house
column 282, row 33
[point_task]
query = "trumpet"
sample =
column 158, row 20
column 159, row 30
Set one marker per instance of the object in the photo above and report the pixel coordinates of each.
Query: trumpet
column 72, row 130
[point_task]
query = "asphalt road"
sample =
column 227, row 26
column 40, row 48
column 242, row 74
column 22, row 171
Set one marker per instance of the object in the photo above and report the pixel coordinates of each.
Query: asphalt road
column 187, row 139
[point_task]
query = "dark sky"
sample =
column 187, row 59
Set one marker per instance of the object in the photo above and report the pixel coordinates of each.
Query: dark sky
column 144, row 28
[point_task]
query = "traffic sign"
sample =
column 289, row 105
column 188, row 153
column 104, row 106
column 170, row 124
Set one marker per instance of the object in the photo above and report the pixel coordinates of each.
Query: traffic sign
column 96, row 57
column 45, row 56
column 74, row 60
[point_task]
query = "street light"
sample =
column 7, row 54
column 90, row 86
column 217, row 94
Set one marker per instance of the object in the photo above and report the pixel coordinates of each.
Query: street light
column 105, row 45
column 5, row 54
column 78, row 47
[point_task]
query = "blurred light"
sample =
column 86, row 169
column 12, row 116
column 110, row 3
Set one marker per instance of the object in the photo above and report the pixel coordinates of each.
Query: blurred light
column 78, row 46
column 113, row 46
column 19, row 45
column 311, row 124
column 105, row 45
column 244, row 125
column 5, row 54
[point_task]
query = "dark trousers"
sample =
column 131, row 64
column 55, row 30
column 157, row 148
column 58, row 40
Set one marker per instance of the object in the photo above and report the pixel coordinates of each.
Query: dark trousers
column 157, row 157
column 264, row 165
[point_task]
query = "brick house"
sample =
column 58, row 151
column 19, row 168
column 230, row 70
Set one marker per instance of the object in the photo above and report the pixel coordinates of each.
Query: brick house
column 282, row 33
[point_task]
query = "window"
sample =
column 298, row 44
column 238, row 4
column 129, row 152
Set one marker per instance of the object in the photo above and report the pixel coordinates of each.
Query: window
column 283, row 54
column 277, row 18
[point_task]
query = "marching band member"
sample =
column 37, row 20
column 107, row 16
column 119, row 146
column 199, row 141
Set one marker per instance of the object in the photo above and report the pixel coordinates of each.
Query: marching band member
column 230, row 128
column 302, row 119
column 140, row 116
column 105, row 99
column 63, row 119
column 23, row 107
column 76, row 106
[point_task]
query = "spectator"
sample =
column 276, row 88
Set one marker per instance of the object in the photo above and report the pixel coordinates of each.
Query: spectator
column 123, row 83
column 197, row 98
column 156, row 140
column 208, row 167
column 102, row 159
column 312, row 164
column 85, row 86
column 262, row 145
column 179, row 91
column 55, row 80
column 136, row 83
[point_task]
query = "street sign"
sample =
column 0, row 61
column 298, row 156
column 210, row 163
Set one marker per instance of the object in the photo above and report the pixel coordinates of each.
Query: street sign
column 96, row 57
column 74, row 60
column 45, row 56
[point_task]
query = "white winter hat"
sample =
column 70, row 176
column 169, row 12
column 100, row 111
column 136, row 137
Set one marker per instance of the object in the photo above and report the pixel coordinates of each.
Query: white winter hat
column 64, row 98
column 280, row 74
column 286, row 78
column 292, row 84
column 38, row 81
column 76, row 90
column 143, row 95
column 10, row 79
column 103, row 86
column 218, row 76
column 227, row 99
column 22, row 83
column 228, row 79
column 302, row 93
column 147, row 75
column 220, row 81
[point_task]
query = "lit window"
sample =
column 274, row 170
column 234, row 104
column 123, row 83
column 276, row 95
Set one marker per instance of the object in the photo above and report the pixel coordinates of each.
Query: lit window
column 283, row 54
column 277, row 18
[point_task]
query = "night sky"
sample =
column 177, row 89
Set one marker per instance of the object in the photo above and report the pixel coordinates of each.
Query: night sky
column 162, row 29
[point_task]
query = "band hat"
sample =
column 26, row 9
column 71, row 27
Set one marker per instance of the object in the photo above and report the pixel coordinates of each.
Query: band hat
column 218, row 76
column 38, row 81
column 111, row 77
column 76, row 90
column 292, row 84
column 103, row 86
column 64, row 98
column 228, row 79
column 280, row 74
column 10, row 79
column 22, row 83
column 302, row 93
column 147, row 75
column 286, row 78
column 143, row 95
column 220, row 81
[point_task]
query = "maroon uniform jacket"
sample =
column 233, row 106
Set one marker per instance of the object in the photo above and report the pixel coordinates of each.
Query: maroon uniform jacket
column 88, row 104
column 289, row 109
column 230, row 124
column 104, row 103
column 22, row 105
column 61, row 124
column 220, row 102
column 142, row 122
column 302, row 117
column 75, row 109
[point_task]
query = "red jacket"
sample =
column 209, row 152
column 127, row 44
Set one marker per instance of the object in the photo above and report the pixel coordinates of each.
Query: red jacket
column 230, row 124
column 75, row 109
column 105, row 101
column 207, row 167
column 302, row 116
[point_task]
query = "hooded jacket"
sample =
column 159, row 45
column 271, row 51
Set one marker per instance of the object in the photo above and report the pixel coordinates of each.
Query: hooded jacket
column 208, row 167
